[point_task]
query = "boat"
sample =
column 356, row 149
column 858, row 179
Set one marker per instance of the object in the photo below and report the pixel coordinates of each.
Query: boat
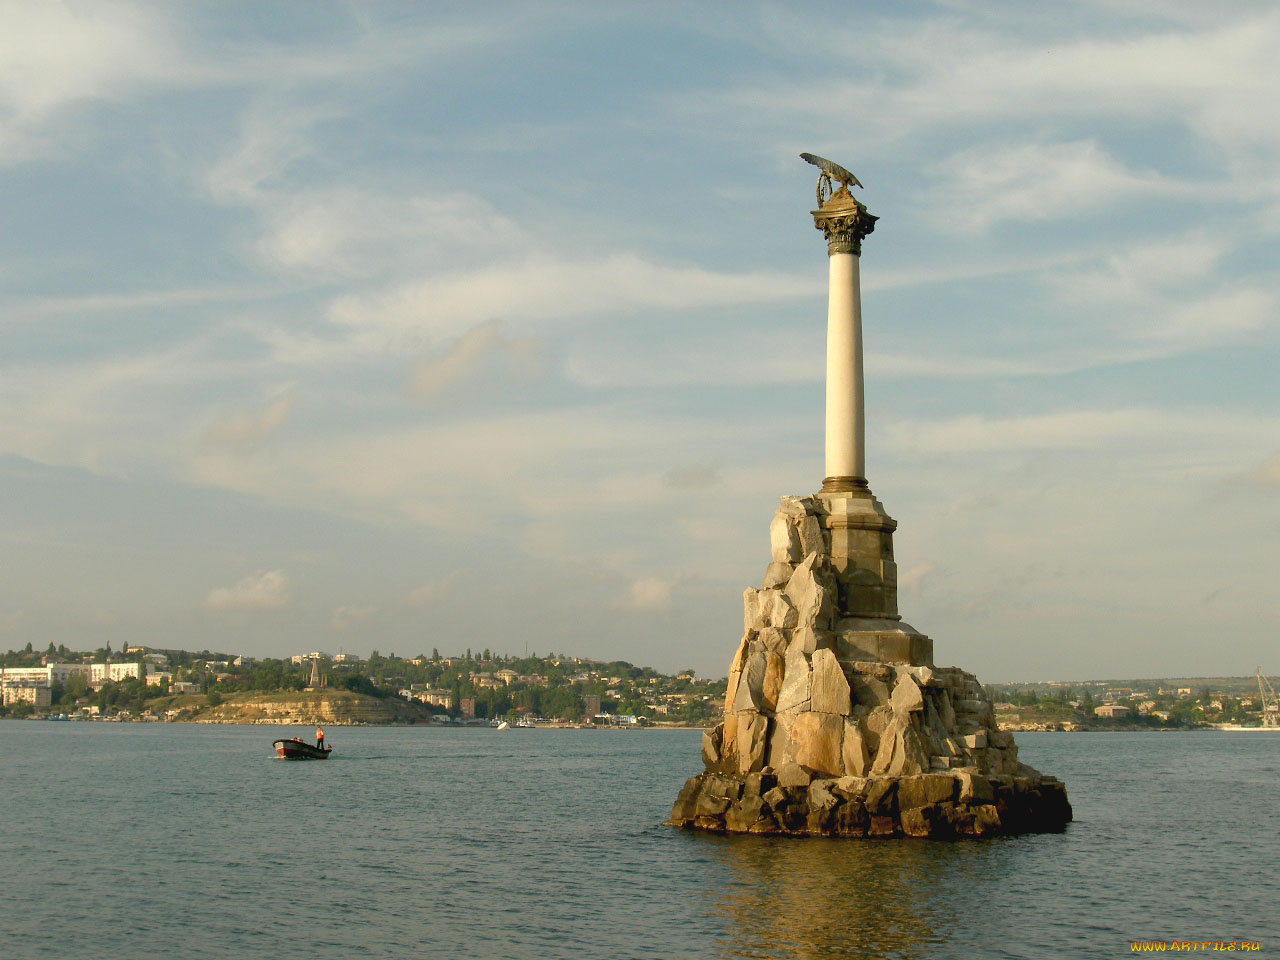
column 295, row 749
column 504, row 725
column 1270, row 709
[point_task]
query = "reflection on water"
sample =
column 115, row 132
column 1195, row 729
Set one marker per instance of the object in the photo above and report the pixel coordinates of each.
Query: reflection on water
column 822, row 898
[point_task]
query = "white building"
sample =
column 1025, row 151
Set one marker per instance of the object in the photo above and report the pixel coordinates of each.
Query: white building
column 24, row 675
column 25, row 691
column 114, row 672
column 60, row 672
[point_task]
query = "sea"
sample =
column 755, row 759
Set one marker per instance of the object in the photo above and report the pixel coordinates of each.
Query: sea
column 167, row 840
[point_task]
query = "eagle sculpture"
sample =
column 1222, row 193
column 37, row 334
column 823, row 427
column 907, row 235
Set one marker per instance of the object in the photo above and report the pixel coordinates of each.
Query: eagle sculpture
column 830, row 171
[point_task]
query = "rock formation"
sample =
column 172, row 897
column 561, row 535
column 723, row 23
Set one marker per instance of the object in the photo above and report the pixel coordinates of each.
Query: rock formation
column 836, row 721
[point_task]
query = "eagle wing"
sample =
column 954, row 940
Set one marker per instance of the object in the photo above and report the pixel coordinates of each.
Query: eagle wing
column 832, row 170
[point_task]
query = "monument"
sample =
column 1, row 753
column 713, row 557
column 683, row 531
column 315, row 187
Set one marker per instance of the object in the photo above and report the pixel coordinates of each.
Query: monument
column 836, row 720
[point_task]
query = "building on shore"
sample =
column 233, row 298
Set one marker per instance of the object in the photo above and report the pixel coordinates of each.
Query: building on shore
column 25, row 691
column 1111, row 711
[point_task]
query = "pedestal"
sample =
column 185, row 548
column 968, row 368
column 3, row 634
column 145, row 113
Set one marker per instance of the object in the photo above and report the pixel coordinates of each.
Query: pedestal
column 837, row 722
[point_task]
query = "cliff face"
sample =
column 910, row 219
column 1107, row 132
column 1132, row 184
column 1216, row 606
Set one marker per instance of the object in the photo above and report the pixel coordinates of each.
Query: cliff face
column 325, row 708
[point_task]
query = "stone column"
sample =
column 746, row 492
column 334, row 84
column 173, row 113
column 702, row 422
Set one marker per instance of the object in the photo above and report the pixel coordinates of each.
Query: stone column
column 844, row 222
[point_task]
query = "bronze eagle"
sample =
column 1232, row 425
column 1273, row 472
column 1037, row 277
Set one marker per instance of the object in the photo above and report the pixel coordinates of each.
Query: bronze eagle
column 832, row 171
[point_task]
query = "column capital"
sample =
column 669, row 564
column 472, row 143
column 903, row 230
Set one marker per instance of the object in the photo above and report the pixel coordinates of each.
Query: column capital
column 844, row 222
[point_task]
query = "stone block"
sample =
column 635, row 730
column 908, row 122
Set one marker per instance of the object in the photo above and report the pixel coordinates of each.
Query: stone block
column 765, row 600
column 780, row 749
column 811, row 540
column 777, row 574
column 925, row 789
column 773, row 672
column 782, row 612
column 810, row 640
column 686, row 806
column 882, row 797
column 976, row 741
column 711, row 747
column 807, row 595
column 830, row 692
column 752, row 618
column 735, row 673
column 729, row 743
column 784, row 540
column 974, row 788
column 753, row 729
column 946, row 714
column 901, row 753
column 876, row 724
column 773, row 640
column 869, row 691
column 852, row 786
column 882, row 827
column 742, row 815
column 986, row 820
column 906, row 698
column 796, row 691
column 816, row 740
column 751, row 683
column 796, row 507
column 920, row 821
column 854, row 751
column 924, row 675
column 822, row 804
column 793, row 775
column 872, row 668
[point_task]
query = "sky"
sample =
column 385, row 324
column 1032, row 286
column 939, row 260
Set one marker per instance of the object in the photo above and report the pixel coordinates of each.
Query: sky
column 346, row 327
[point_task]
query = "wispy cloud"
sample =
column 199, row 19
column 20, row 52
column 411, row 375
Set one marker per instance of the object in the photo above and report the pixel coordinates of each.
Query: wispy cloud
column 1027, row 182
column 434, row 375
column 555, row 288
column 646, row 595
column 431, row 592
column 1266, row 473
column 263, row 590
column 352, row 616
column 246, row 429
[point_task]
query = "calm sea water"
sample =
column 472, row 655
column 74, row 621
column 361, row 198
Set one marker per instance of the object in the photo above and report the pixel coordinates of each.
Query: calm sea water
column 141, row 841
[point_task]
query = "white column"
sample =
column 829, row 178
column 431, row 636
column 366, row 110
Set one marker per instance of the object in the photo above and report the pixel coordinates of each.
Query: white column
column 846, row 444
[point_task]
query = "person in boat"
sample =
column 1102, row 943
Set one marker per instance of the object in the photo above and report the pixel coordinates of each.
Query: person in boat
column 319, row 738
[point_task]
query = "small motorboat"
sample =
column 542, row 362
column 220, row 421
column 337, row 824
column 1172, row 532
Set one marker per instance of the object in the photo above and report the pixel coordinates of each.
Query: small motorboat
column 504, row 725
column 295, row 749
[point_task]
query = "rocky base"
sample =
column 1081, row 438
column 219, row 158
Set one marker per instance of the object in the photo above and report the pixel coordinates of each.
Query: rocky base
column 836, row 720
column 789, row 802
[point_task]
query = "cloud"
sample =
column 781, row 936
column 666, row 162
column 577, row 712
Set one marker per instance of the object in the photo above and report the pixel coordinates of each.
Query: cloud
column 433, row 376
column 549, row 287
column 55, row 54
column 263, row 590
column 1075, row 429
column 247, row 429
column 432, row 592
column 349, row 617
column 1266, row 473
column 1028, row 182
column 646, row 595
column 909, row 580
